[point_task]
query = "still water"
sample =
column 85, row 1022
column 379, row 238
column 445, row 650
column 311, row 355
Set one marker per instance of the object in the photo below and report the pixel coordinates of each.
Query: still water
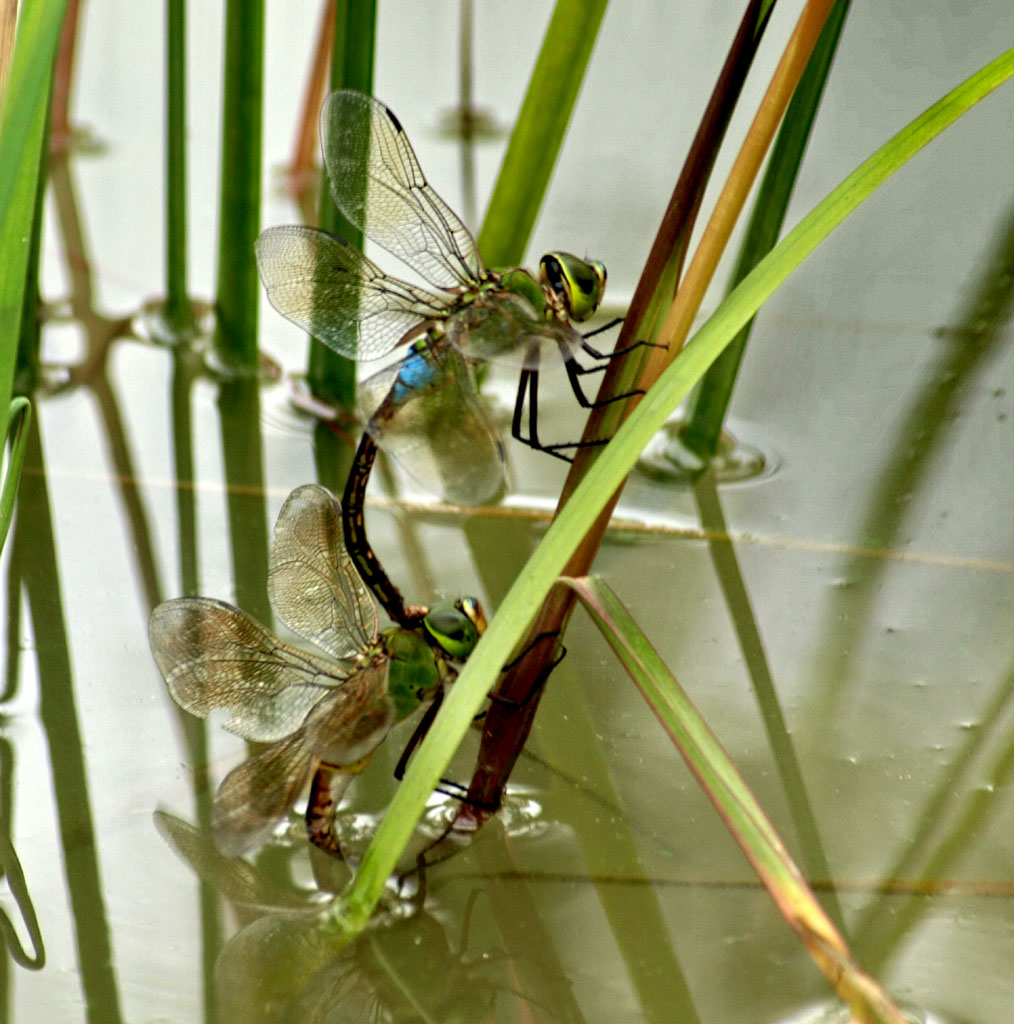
column 842, row 621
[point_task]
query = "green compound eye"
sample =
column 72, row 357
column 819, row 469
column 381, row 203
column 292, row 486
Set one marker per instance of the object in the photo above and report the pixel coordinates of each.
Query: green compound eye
column 456, row 627
column 579, row 283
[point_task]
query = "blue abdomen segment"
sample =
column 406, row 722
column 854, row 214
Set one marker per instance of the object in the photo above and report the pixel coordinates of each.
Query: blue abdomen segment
column 416, row 373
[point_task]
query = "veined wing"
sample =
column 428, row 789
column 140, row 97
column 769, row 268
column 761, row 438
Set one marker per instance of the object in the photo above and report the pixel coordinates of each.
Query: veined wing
column 502, row 327
column 378, row 185
column 335, row 293
column 255, row 796
column 427, row 413
column 214, row 656
column 312, row 582
column 349, row 724
column 344, row 728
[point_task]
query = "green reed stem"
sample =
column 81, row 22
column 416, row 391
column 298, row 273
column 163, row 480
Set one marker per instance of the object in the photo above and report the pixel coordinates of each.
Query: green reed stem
column 704, row 426
column 333, row 377
column 22, row 136
column 539, row 131
column 239, row 202
column 178, row 313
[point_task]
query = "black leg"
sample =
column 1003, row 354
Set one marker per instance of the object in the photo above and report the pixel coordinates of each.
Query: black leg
column 528, row 387
column 454, row 789
column 574, row 370
column 605, row 327
column 595, row 353
column 540, row 680
column 418, row 735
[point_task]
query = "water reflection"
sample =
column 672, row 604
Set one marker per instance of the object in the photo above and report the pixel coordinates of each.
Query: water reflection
column 291, row 959
column 11, row 870
column 740, row 608
column 34, row 566
column 979, row 334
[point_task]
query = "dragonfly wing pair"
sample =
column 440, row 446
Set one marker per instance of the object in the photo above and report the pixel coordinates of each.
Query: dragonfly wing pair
column 427, row 413
column 310, row 708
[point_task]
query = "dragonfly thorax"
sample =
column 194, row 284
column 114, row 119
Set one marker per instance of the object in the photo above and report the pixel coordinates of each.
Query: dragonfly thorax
column 412, row 672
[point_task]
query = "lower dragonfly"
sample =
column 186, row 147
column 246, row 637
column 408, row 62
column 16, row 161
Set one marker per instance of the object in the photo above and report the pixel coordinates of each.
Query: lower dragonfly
column 323, row 714
column 513, row 317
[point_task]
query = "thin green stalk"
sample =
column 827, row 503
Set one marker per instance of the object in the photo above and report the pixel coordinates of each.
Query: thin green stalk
column 178, row 313
column 22, row 132
column 240, row 198
column 618, row 457
column 704, row 426
column 243, row 458
column 539, row 131
column 333, row 377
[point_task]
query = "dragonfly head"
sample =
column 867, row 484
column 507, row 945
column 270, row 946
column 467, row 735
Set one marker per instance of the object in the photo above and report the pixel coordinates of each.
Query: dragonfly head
column 578, row 283
column 455, row 626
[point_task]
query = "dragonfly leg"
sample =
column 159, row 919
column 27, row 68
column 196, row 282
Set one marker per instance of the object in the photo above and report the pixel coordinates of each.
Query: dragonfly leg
column 544, row 673
column 528, row 387
column 546, row 635
column 454, row 789
column 418, row 735
column 329, row 783
column 596, row 354
column 528, row 393
column 574, row 371
column 602, row 330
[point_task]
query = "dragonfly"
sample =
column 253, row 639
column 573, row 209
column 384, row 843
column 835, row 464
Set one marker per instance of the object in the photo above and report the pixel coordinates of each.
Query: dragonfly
column 469, row 314
column 322, row 713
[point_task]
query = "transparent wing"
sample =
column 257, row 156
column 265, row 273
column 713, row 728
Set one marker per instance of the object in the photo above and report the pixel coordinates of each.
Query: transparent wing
column 348, row 725
column 236, row 880
column 426, row 412
column 378, row 185
column 254, row 797
column 335, row 293
column 502, row 327
column 312, row 582
column 213, row 656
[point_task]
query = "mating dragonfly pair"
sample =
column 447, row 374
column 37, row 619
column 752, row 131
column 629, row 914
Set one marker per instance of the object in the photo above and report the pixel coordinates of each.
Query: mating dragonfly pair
column 325, row 716
column 426, row 410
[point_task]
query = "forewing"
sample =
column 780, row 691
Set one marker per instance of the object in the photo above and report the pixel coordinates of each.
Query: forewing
column 378, row 185
column 213, row 656
column 502, row 327
column 427, row 413
column 348, row 725
column 254, row 797
column 313, row 585
column 331, row 290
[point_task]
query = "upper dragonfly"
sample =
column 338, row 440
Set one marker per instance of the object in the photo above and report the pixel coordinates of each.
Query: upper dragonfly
column 333, row 291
